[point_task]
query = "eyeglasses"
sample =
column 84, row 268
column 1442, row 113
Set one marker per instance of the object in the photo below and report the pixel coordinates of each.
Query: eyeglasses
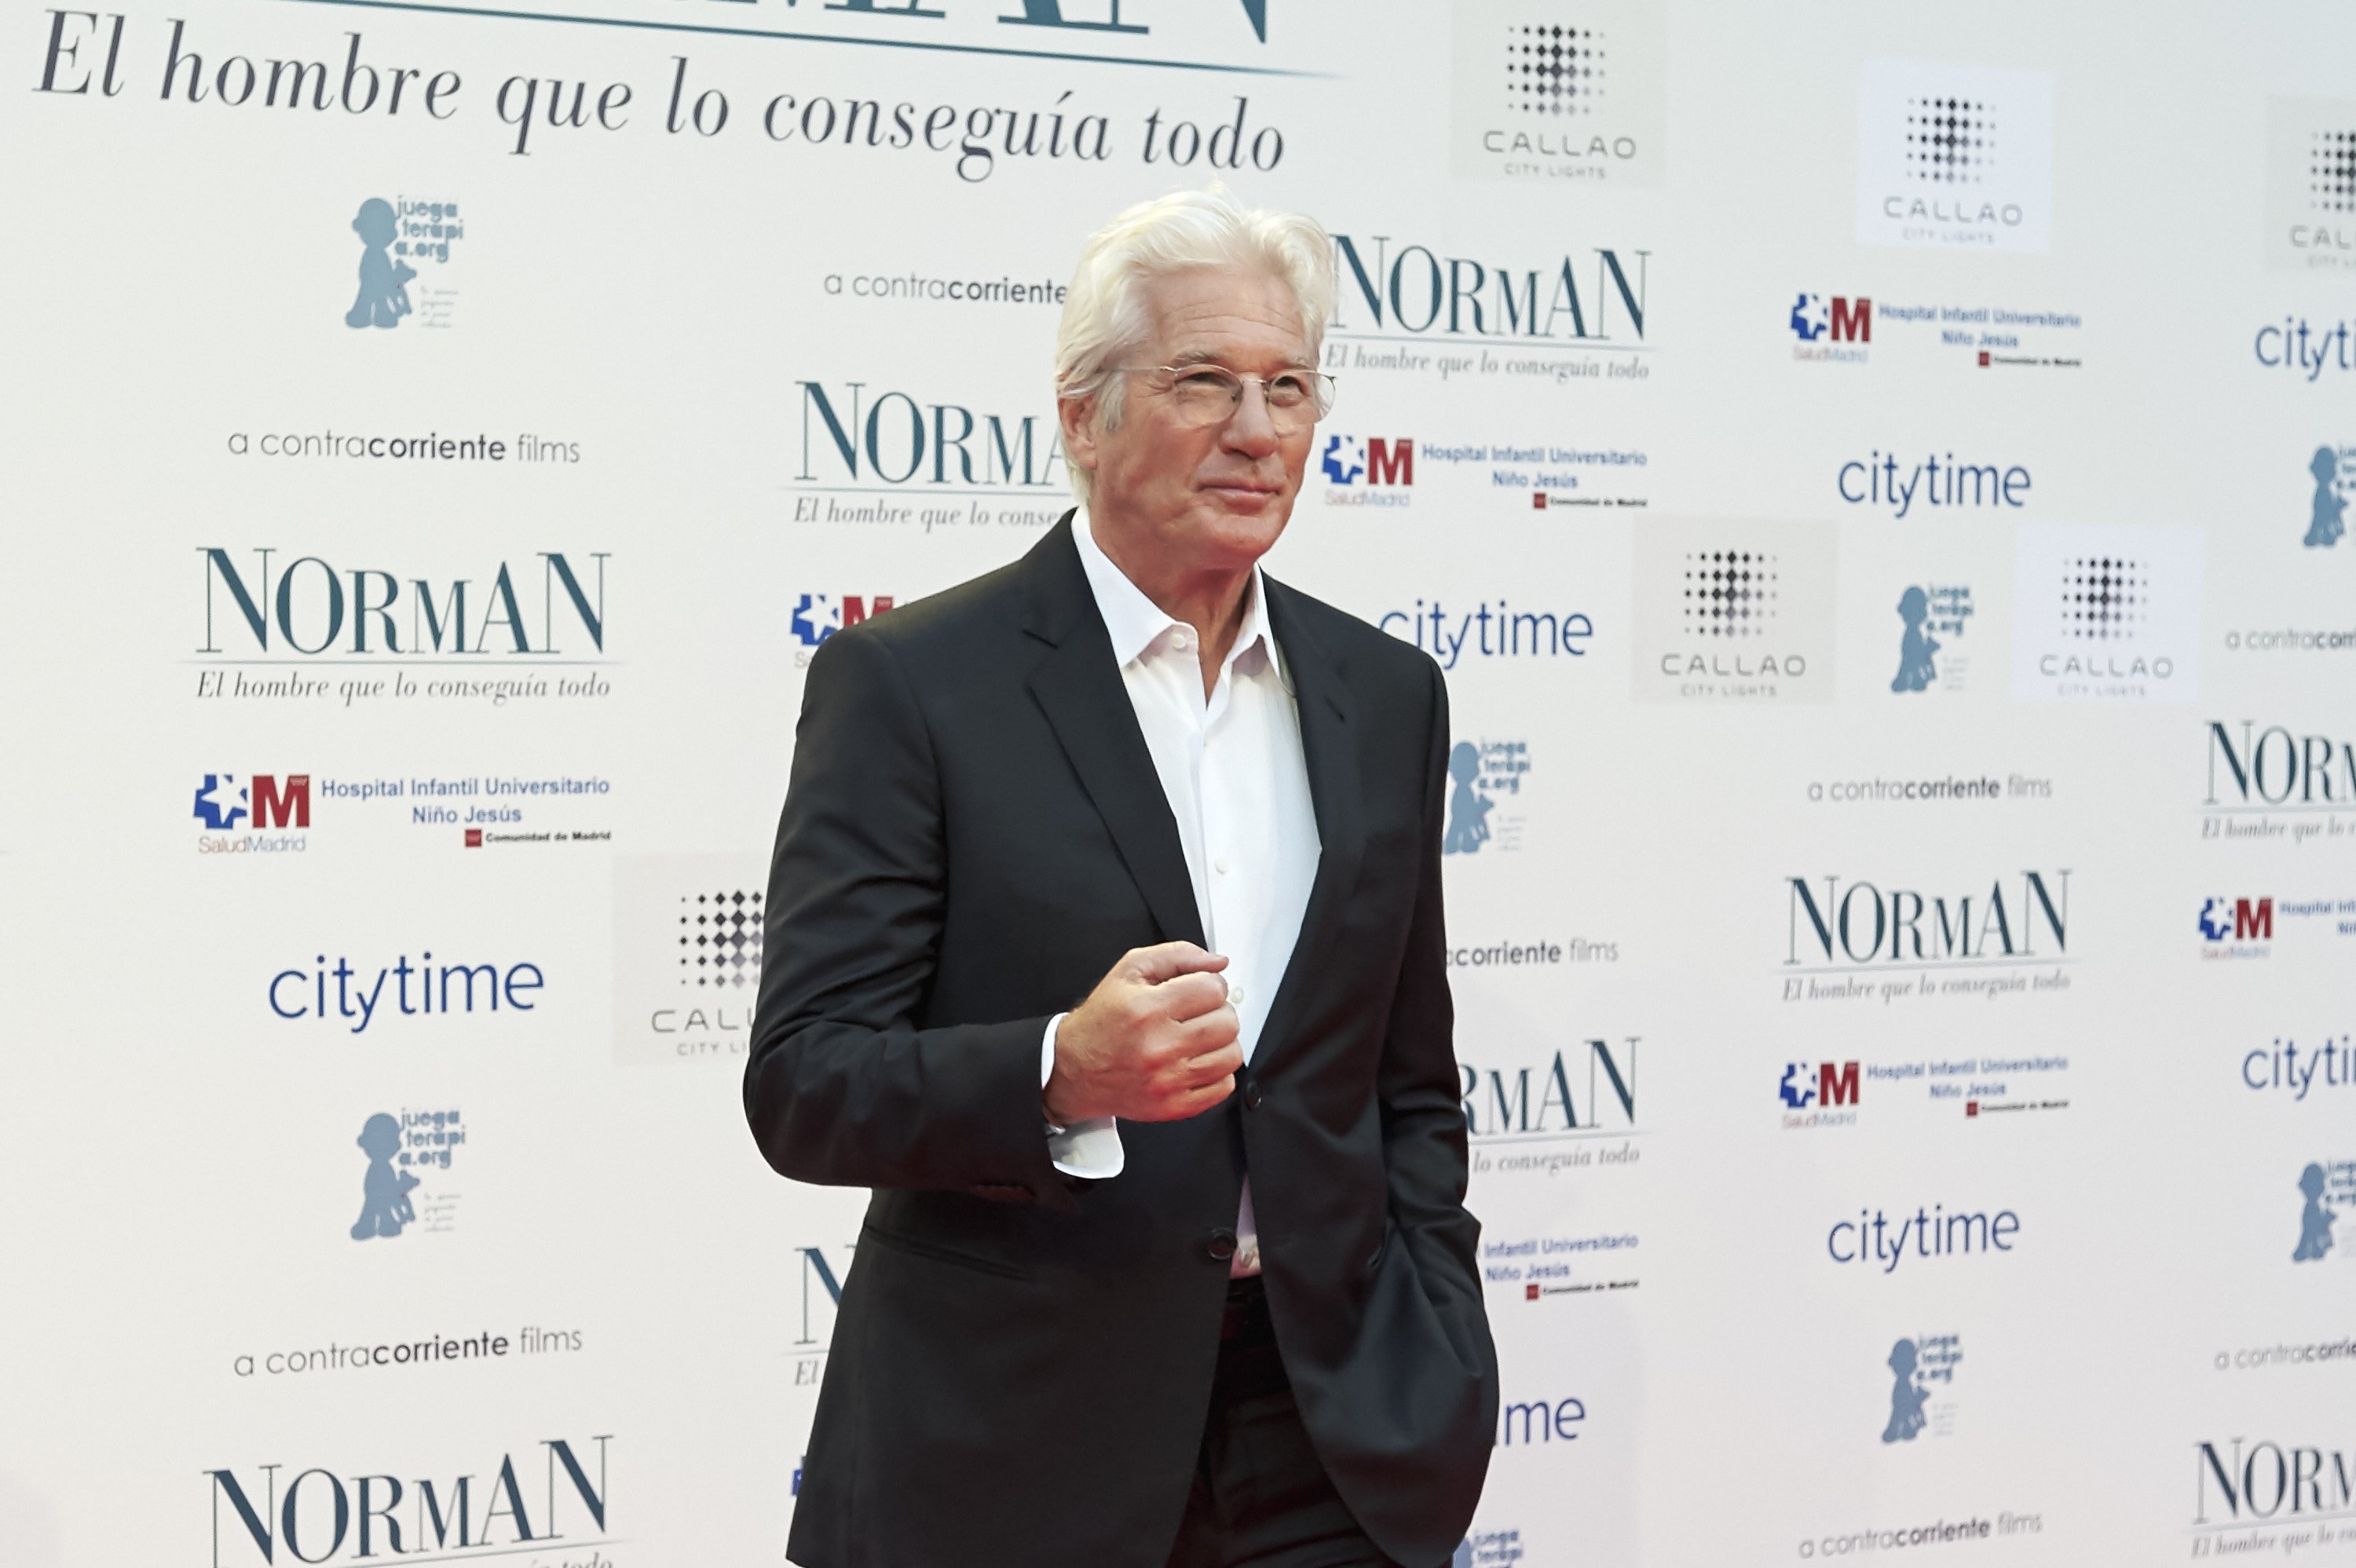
column 1210, row 394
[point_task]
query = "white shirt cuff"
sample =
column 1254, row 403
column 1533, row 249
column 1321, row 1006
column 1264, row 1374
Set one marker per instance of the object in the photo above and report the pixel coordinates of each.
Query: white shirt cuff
column 1090, row 1148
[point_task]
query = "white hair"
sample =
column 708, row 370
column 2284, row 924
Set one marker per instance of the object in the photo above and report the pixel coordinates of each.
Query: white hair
column 1104, row 312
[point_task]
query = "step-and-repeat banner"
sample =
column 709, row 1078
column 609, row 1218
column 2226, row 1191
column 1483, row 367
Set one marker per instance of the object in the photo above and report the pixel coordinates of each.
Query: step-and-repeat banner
column 1877, row 482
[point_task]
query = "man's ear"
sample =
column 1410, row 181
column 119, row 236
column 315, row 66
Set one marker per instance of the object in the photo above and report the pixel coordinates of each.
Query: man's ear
column 1078, row 417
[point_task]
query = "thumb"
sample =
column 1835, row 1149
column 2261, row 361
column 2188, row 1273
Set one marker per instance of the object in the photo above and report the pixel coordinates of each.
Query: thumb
column 1168, row 960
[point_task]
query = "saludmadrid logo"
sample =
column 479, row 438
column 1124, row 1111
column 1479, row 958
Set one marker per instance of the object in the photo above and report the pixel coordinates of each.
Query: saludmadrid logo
column 232, row 810
column 557, row 1491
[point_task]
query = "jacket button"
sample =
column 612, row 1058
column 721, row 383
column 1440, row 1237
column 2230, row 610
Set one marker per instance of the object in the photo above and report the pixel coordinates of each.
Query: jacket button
column 1221, row 1244
column 1252, row 1095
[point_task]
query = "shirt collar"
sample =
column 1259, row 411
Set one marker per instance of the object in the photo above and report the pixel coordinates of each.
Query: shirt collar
column 1133, row 621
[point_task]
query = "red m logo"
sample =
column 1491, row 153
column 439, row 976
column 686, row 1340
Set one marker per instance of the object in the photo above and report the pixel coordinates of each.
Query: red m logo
column 2254, row 918
column 1836, row 1085
column 1852, row 320
column 1390, row 462
column 274, row 807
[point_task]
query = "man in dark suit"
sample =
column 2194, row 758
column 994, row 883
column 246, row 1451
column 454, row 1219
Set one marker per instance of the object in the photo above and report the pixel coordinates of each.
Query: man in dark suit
column 1104, row 944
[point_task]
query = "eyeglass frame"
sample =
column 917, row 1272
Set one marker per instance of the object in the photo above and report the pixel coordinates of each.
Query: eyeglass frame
column 1317, row 379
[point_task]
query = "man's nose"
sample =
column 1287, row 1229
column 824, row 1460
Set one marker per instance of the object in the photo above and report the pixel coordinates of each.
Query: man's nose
column 1250, row 430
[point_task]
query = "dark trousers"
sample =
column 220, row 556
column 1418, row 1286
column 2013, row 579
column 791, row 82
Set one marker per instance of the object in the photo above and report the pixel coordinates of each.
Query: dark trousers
column 1260, row 1499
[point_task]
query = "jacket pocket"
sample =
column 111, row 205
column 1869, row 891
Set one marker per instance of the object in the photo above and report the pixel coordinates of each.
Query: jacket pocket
column 923, row 1247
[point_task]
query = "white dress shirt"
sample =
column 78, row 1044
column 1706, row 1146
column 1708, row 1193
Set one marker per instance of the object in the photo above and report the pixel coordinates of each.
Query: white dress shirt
column 1232, row 769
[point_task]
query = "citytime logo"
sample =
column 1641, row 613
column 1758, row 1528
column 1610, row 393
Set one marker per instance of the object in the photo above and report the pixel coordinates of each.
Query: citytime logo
column 324, row 1515
column 439, row 990
column 307, row 604
column 232, row 815
column 1878, row 480
column 1822, row 329
column 2268, row 1482
column 1485, row 632
column 1418, row 292
column 1878, row 1240
column 2304, row 347
column 2282, row 1068
column 1367, row 473
column 1860, row 926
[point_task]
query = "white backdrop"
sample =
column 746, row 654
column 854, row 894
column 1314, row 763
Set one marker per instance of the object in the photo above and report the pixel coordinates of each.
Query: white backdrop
column 1874, row 478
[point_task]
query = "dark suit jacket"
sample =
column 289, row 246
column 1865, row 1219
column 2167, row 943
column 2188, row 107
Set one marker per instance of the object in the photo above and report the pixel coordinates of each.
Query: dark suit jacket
column 1022, row 1362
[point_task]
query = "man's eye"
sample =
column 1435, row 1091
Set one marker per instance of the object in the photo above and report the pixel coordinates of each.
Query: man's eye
column 1201, row 381
column 1287, row 390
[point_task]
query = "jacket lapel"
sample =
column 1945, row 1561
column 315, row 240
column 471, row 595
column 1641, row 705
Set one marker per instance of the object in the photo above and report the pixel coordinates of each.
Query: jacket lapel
column 1079, row 688
column 1330, row 748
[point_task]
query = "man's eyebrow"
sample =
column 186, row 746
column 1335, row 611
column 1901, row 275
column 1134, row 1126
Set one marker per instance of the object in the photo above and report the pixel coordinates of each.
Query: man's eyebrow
column 1211, row 356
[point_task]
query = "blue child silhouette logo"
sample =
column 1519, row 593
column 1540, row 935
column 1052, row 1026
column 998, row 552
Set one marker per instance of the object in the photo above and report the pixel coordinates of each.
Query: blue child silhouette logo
column 1463, row 1556
column 385, row 1208
column 384, row 282
column 1344, row 459
column 1907, row 1395
column 2327, row 513
column 2315, row 1220
column 1468, row 813
column 1485, row 800
column 1916, row 669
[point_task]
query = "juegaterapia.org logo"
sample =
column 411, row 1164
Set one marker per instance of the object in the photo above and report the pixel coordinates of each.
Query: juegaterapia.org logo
column 2333, row 469
column 2328, row 1190
column 406, row 1152
column 398, row 238
column 1919, row 1367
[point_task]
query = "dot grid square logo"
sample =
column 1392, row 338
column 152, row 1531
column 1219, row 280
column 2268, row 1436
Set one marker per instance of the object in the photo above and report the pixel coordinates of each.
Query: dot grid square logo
column 1559, row 94
column 687, row 955
column 2310, row 182
column 719, row 939
column 1734, row 612
column 2106, row 613
column 1952, row 157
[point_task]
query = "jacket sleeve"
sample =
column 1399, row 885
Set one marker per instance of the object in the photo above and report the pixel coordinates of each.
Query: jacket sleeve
column 842, row 1087
column 1424, row 1145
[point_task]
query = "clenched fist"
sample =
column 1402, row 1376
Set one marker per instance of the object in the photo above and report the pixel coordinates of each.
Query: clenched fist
column 1155, row 1041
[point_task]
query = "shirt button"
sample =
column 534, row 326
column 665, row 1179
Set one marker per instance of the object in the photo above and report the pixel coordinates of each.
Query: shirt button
column 1220, row 865
column 1236, row 994
column 1220, row 1243
column 1252, row 1096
